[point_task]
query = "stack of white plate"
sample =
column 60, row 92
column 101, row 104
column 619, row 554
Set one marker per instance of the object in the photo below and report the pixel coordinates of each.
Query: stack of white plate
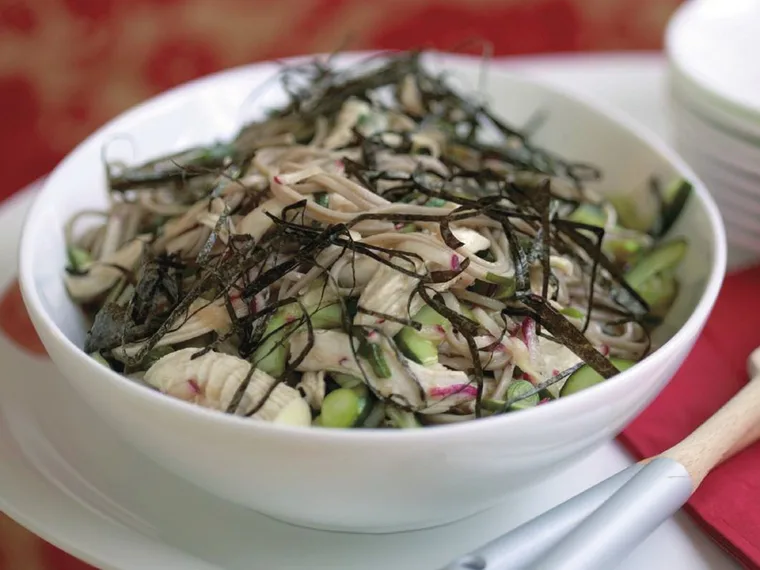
column 713, row 50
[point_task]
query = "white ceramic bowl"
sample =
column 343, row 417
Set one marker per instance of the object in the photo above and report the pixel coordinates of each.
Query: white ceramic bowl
column 372, row 481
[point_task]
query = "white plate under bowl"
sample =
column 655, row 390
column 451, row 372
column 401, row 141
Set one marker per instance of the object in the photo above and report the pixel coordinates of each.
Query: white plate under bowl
column 740, row 151
column 712, row 47
column 73, row 481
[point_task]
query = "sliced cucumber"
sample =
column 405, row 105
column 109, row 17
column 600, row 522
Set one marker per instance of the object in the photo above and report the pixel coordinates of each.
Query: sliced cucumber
column 421, row 350
column 588, row 214
column 585, row 377
column 272, row 354
column 659, row 292
column 417, row 346
column 516, row 389
column 663, row 258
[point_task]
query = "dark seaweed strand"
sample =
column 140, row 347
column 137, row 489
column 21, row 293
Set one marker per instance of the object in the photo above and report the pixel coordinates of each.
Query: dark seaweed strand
column 206, row 279
column 205, row 251
column 543, row 202
column 337, row 234
column 519, row 259
column 638, row 306
column 574, row 339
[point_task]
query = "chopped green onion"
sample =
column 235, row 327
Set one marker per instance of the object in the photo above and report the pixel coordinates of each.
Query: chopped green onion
column 588, row 214
column 78, row 258
column 572, row 312
column 435, row 202
column 664, row 257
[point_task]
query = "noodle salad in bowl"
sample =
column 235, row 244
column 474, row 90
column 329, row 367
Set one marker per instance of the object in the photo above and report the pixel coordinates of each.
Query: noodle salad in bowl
column 258, row 303
column 381, row 251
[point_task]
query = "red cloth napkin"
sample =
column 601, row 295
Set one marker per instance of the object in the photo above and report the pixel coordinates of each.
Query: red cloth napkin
column 727, row 504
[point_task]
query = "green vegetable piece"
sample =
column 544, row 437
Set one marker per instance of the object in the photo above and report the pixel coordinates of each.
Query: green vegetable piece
column 344, row 407
column 408, row 229
column 435, row 203
column 402, row 419
column 659, row 291
column 572, row 312
column 346, row 380
column 421, row 350
column 623, row 250
column 322, row 199
column 328, row 317
column 517, row 389
column 499, row 279
column 317, row 422
column 340, row 408
column 664, row 257
column 374, row 354
column 467, row 312
column 507, row 285
column 97, row 357
column 585, row 377
column 78, row 258
column 427, row 315
column 272, row 354
column 588, row 214
column 375, row 416
column 629, row 213
column 414, row 345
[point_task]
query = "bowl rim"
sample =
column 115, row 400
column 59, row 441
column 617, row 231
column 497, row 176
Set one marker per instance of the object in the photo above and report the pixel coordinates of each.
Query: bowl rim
column 563, row 407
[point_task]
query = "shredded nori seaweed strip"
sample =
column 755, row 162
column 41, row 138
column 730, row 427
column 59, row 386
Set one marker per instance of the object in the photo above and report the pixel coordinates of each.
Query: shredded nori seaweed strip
column 572, row 338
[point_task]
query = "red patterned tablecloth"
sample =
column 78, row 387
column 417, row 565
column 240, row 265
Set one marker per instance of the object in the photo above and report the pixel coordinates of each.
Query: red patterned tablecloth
column 67, row 66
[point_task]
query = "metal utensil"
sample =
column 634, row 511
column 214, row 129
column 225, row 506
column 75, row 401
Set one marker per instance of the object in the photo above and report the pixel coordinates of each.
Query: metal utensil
column 599, row 527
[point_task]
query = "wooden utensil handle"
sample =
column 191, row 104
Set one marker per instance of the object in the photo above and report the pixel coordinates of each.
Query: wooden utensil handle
column 728, row 431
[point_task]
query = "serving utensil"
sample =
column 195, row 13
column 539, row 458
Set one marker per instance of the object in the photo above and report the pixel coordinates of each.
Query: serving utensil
column 599, row 527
